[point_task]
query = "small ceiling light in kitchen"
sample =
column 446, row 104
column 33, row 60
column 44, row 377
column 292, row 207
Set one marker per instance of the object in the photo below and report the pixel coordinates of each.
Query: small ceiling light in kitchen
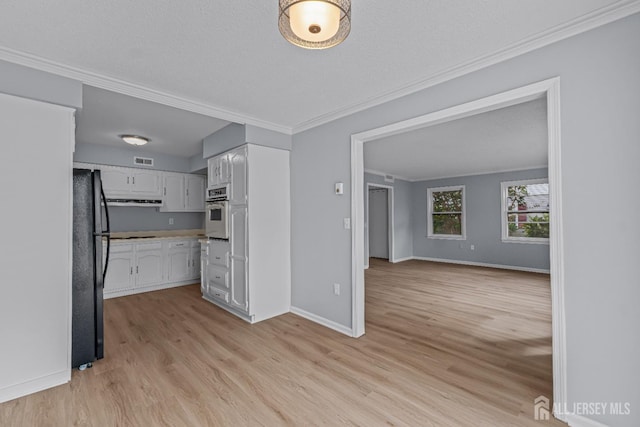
column 315, row 24
column 134, row 139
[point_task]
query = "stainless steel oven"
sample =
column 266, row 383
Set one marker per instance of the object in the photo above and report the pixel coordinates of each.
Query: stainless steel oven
column 217, row 210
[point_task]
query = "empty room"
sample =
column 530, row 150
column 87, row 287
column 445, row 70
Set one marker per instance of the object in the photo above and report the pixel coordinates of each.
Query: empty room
column 319, row 212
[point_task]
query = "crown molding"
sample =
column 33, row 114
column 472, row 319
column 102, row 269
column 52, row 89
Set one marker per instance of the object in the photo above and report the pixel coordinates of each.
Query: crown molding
column 579, row 25
column 138, row 91
column 587, row 22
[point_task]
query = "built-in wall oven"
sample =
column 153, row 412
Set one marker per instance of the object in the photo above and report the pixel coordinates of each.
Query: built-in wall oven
column 217, row 210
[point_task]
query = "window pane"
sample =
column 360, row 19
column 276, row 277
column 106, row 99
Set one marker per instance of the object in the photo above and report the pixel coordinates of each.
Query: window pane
column 447, row 201
column 533, row 226
column 447, row 224
column 528, row 197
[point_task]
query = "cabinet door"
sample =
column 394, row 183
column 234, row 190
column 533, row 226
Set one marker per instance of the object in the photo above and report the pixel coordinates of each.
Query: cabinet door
column 225, row 169
column 212, row 172
column 203, row 269
column 238, row 231
column 115, row 181
column 239, row 284
column 174, row 200
column 145, row 183
column 217, row 277
column 149, row 267
column 120, row 270
column 179, row 264
column 238, row 165
column 195, row 192
column 195, row 262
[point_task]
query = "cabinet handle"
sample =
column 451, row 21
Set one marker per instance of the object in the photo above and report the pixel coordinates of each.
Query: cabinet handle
column 136, row 269
column 134, row 180
column 127, row 180
column 165, row 191
column 187, row 191
column 131, row 272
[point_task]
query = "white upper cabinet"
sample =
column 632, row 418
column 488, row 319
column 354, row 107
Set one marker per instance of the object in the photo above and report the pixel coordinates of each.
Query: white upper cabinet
column 219, row 171
column 130, row 182
column 195, row 190
column 238, row 165
column 183, row 192
column 146, row 182
column 115, row 180
column 173, row 193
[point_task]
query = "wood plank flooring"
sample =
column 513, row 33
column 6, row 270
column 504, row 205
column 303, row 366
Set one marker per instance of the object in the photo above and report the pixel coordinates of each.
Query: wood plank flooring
column 445, row 345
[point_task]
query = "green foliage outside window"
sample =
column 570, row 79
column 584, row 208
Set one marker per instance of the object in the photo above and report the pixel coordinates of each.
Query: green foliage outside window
column 447, row 212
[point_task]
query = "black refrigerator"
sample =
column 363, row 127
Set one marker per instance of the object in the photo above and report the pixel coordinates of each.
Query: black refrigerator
column 90, row 226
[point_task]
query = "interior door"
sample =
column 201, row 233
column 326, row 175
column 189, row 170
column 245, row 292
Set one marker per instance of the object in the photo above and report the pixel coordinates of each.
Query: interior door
column 378, row 223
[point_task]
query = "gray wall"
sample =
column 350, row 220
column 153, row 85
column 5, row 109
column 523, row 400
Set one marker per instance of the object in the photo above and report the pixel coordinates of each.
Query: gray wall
column 402, row 213
column 235, row 135
column 599, row 107
column 147, row 219
column 483, row 221
column 123, row 156
column 140, row 219
column 34, row 84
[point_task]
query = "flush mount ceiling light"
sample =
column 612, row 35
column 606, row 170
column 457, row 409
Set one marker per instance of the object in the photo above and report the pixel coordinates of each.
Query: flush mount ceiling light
column 315, row 24
column 134, row 139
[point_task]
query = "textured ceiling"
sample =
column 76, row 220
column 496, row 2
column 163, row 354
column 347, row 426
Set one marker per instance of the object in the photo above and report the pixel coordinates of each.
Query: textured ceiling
column 105, row 115
column 230, row 55
column 512, row 138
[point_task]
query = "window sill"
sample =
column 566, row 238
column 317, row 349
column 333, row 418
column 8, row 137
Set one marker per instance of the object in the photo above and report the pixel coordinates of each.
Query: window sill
column 526, row 241
column 446, row 237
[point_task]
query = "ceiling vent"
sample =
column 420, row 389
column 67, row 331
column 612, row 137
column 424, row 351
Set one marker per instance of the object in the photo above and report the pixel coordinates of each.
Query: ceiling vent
column 389, row 178
column 142, row 161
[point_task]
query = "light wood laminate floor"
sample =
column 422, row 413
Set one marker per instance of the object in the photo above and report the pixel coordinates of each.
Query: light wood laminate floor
column 445, row 345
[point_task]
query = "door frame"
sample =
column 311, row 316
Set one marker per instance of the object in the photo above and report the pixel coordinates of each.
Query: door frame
column 549, row 89
column 390, row 221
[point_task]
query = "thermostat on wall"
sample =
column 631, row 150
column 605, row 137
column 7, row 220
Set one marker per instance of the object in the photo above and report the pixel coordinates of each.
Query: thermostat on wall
column 339, row 188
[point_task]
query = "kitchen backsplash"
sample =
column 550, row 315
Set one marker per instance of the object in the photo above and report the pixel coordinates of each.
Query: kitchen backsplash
column 147, row 219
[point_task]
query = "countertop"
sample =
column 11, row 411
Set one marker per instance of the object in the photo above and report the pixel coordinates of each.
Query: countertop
column 159, row 234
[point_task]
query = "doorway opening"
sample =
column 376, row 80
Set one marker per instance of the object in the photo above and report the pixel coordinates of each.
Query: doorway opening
column 548, row 89
column 379, row 222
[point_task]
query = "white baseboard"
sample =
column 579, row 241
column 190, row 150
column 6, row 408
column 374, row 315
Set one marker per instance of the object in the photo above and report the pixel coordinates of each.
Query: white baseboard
column 482, row 264
column 407, row 258
column 18, row 390
column 580, row 421
column 322, row 321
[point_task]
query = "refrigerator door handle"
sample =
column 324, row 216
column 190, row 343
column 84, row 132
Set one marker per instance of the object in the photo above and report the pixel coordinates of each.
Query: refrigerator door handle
column 106, row 233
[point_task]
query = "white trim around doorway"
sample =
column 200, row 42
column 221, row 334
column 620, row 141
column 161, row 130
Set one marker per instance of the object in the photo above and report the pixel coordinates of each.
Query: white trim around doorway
column 550, row 89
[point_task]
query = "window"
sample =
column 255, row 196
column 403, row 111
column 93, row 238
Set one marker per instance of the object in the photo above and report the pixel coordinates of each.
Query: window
column 525, row 211
column 445, row 213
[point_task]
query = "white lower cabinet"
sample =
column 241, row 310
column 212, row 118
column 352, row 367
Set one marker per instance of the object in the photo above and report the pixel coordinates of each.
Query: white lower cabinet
column 120, row 269
column 149, row 264
column 152, row 265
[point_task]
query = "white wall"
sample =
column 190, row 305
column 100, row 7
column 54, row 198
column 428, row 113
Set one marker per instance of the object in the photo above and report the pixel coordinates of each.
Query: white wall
column 600, row 104
column 35, row 253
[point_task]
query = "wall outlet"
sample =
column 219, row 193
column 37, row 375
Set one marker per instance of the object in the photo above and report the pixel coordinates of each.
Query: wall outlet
column 347, row 223
column 336, row 288
column 170, row 221
column 472, row 247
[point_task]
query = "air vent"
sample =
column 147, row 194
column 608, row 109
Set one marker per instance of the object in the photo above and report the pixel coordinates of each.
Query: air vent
column 389, row 178
column 142, row 161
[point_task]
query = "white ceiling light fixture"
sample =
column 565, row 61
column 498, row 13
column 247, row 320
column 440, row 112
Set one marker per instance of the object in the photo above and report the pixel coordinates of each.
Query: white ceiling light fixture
column 315, row 24
column 134, row 139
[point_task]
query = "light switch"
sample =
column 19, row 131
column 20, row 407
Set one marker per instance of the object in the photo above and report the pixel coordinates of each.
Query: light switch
column 347, row 223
